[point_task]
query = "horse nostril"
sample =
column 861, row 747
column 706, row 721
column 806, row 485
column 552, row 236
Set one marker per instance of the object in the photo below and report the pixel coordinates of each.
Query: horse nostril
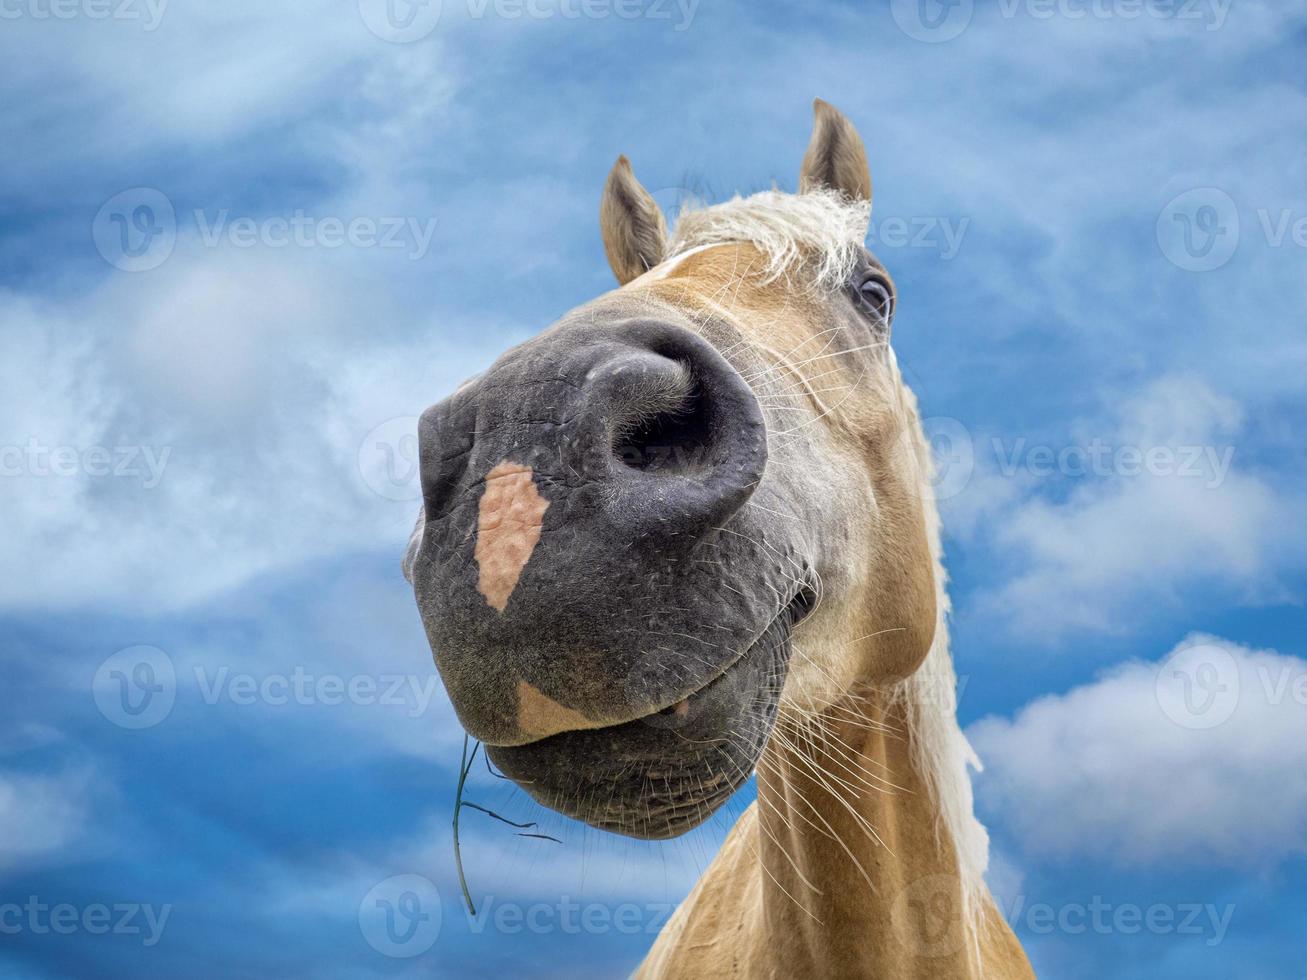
column 682, row 432
column 671, row 439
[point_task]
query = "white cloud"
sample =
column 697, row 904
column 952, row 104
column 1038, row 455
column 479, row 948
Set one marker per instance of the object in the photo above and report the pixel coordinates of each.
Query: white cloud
column 232, row 70
column 1123, row 515
column 40, row 815
column 233, row 387
column 1197, row 760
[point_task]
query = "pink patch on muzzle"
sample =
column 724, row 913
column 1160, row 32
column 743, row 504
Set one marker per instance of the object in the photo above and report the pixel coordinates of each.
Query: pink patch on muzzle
column 509, row 521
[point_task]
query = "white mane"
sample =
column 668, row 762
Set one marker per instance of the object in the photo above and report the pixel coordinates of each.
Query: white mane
column 821, row 225
column 941, row 751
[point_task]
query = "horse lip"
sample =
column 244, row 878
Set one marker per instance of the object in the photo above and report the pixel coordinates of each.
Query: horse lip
column 681, row 706
column 678, row 706
column 797, row 608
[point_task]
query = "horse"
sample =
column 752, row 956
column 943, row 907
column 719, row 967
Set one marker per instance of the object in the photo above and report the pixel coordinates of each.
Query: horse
column 686, row 535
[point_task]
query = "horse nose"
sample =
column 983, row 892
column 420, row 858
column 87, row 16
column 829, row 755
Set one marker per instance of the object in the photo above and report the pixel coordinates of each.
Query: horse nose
column 644, row 432
column 565, row 493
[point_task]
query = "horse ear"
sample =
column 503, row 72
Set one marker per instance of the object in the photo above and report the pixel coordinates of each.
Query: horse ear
column 635, row 234
column 836, row 158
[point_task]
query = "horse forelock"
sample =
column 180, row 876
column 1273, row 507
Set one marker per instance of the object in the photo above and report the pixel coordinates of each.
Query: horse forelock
column 821, row 230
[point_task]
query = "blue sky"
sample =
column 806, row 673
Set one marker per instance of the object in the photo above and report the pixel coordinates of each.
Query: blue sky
column 1096, row 214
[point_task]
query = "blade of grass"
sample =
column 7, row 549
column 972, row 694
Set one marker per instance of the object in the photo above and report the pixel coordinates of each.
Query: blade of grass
column 464, row 769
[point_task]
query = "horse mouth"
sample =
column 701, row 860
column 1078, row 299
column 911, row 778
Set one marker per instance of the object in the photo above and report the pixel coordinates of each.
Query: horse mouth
column 665, row 773
column 794, row 612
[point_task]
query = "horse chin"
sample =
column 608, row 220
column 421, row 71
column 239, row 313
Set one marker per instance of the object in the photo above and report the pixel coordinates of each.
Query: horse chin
column 664, row 774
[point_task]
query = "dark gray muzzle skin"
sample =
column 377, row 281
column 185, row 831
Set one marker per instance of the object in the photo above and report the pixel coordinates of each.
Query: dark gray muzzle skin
column 650, row 578
column 664, row 774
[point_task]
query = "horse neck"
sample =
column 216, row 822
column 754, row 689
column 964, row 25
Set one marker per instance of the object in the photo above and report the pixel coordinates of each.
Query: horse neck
column 860, row 876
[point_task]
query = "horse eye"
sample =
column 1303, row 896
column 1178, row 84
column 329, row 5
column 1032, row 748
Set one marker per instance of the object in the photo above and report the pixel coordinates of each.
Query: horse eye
column 876, row 296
